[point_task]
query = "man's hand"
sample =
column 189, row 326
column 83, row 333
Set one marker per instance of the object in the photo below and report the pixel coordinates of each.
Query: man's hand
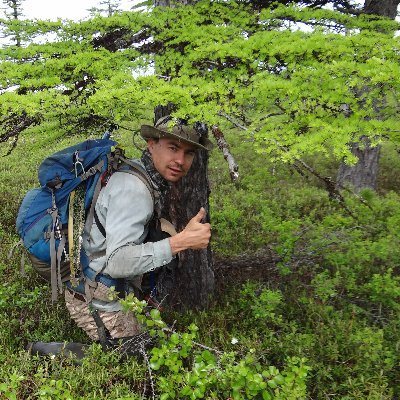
column 196, row 235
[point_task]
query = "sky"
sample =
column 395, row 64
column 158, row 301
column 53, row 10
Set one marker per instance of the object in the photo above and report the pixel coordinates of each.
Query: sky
column 69, row 9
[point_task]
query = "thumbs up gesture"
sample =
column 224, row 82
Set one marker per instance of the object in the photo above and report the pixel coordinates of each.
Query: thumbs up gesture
column 196, row 235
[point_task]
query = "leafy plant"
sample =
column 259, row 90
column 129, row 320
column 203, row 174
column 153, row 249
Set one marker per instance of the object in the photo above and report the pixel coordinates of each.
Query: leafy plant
column 189, row 370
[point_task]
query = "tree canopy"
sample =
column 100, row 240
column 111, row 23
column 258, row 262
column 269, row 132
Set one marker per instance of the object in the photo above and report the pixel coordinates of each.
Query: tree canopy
column 291, row 77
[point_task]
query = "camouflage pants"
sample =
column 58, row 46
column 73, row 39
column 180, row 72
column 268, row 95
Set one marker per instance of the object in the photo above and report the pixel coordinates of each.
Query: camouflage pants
column 119, row 324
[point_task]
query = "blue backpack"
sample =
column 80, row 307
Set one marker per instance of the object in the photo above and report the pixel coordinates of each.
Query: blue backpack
column 44, row 220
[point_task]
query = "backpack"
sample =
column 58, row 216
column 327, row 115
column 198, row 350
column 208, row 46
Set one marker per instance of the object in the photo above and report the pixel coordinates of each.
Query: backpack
column 46, row 220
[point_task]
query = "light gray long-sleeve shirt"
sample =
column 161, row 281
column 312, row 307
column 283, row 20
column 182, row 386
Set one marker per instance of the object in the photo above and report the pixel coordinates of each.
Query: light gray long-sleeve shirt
column 124, row 208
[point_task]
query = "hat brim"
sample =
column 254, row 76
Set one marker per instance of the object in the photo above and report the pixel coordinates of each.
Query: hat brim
column 150, row 132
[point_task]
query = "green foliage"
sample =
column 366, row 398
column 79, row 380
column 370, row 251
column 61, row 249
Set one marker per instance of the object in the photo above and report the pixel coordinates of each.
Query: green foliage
column 99, row 376
column 333, row 296
column 187, row 369
column 9, row 388
column 261, row 304
column 295, row 92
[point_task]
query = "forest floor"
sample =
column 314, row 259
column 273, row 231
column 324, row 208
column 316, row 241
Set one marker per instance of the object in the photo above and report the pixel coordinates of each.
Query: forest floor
column 232, row 271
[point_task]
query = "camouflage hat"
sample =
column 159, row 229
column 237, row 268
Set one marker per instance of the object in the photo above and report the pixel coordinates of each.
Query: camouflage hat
column 185, row 133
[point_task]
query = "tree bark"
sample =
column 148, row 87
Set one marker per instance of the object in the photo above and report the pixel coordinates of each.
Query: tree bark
column 191, row 285
column 194, row 277
column 364, row 173
column 384, row 8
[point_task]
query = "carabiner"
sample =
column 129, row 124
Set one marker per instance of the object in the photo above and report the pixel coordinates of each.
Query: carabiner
column 78, row 163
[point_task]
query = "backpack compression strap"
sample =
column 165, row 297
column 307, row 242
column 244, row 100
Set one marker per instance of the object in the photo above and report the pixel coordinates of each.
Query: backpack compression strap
column 55, row 254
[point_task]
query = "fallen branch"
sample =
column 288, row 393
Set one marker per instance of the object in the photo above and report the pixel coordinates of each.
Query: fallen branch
column 146, row 360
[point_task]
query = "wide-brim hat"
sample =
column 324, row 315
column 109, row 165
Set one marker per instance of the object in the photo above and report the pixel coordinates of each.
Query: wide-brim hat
column 184, row 133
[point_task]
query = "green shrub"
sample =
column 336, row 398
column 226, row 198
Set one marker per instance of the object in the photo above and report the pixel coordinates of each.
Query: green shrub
column 186, row 369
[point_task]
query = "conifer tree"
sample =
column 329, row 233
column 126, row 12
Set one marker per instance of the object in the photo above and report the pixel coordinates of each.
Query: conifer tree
column 14, row 11
column 106, row 7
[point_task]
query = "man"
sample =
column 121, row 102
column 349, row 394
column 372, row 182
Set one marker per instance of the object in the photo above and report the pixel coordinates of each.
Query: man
column 121, row 245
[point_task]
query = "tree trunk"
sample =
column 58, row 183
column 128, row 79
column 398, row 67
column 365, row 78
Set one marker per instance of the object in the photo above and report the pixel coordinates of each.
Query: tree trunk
column 191, row 284
column 194, row 278
column 364, row 173
column 384, row 8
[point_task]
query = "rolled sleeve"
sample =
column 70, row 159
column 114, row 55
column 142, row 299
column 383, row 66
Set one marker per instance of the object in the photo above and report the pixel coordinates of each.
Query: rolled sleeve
column 131, row 260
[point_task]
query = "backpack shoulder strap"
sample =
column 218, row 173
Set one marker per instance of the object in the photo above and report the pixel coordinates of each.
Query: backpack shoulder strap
column 98, row 223
column 92, row 213
column 134, row 168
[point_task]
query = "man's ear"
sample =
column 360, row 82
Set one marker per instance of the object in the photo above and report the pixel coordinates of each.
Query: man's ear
column 150, row 144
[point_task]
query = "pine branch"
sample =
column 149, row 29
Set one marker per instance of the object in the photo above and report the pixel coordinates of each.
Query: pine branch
column 14, row 125
column 351, row 11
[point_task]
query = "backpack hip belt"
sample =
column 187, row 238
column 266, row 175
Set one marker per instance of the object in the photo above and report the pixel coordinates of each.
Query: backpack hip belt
column 88, row 282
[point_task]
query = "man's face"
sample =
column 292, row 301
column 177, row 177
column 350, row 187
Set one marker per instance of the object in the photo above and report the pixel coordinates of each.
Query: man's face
column 171, row 158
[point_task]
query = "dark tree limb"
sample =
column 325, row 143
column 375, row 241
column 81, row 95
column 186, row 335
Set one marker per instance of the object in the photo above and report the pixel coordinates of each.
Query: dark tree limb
column 351, row 11
column 14, row 125
column 122, row 38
